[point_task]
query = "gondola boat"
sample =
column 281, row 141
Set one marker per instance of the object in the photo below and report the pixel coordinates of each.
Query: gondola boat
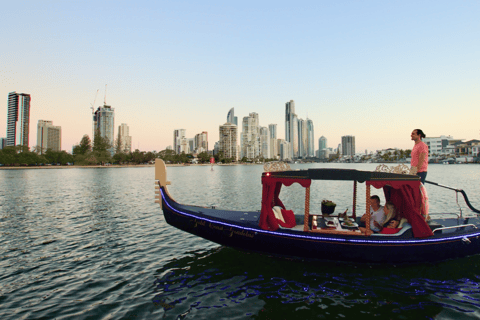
column 309, row 235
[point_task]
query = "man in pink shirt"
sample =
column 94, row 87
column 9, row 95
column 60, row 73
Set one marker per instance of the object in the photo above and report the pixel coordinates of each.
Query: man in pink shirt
column 419, row 154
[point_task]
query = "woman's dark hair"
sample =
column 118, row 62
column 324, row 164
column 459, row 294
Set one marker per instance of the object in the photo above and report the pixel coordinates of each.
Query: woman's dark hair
column 420, row 133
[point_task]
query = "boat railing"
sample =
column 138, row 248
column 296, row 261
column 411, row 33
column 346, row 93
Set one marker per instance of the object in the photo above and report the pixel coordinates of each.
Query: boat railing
column 457, row 191
column 455, row 227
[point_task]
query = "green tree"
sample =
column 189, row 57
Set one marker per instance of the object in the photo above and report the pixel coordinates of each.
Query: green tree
column 100, row 143
column 167, row 155
column 84, row 146
column 203, row 157
column 118, row 144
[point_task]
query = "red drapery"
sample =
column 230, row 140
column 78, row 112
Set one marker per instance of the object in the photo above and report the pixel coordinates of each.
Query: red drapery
column 407, row 199
column 271, row 191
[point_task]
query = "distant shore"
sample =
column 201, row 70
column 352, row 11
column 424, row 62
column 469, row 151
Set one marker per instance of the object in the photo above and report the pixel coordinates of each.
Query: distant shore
column 117, row 166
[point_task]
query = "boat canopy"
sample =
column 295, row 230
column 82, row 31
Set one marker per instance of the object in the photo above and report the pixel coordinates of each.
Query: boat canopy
column 403, row 190
column 270, row 193
column 407, row 198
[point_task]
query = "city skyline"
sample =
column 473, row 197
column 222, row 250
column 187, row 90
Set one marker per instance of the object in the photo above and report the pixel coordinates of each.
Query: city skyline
column 374, row 71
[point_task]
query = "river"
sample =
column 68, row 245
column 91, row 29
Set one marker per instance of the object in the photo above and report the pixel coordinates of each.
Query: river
column 92, row 244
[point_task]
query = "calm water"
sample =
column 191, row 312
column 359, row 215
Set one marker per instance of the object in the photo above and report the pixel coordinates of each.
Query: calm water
column 92, row 244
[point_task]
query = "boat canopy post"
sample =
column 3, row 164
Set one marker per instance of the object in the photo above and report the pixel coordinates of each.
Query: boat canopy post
column 354, row 210
column 307, row 209
column 367, row 221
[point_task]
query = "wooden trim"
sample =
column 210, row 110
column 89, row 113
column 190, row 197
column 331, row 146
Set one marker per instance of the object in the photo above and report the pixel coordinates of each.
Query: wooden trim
column 307, row 209
column 354, row 210
column 367, row 212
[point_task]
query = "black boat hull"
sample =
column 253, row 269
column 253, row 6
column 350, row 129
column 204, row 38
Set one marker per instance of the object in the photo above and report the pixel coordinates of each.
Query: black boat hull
column 247, row 235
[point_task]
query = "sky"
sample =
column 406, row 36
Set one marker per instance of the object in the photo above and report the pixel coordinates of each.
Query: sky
column 372, row 69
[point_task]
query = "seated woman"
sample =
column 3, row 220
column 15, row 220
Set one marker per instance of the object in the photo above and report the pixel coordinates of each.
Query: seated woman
column 391, row 227
column 389, row 214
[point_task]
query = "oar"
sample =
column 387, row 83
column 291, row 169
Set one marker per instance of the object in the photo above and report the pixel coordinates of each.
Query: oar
column 456, row 190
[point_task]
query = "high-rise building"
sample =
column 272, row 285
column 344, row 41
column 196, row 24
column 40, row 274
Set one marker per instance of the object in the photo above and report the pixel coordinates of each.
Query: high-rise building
column 125, row 138
column 18, row 119
column 231, row 117
column 291, row 128
column 310, row 139
column 250, row 141
column 48, row 136
column 302, row 138
column 191, row 145
column 265, row 143
column 284, row 149
column 201, row 142
column 322, row 147
column 3, row 143
column 348, row 146
column 103, row 122
column 272, row 128
column 228, row 141
column 178, row 135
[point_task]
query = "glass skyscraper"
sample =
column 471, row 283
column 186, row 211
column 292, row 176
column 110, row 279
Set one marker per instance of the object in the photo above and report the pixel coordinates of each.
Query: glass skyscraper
column 310, row 139
column 231, row 117
column 291, row 128
column 103, row 122
column 18, row 119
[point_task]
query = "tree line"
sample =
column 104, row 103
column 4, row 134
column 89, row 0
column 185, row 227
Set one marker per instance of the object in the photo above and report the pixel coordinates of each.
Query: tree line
column 98, row 152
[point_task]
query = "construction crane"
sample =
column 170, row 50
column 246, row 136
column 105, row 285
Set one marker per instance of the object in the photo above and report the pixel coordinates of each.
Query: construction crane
column 105, row 99
column 93, row 114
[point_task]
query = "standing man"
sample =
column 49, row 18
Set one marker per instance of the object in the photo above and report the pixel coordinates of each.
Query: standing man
column 419, row 154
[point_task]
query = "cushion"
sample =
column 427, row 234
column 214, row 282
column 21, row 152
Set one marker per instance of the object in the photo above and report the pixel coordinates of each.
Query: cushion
column 278, row 213
column 402, row 221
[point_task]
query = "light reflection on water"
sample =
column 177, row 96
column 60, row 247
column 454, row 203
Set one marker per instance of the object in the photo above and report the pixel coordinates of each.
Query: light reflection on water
column 91, row 243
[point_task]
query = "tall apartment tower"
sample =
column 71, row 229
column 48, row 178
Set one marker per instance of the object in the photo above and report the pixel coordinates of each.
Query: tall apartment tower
column 302, row 138
column 322, row 148
column 3, row 143
column 104, row 122
column 18, row 119
column 272, row 128
column 48, row 136
column 265, row 143
column 125, row 138
column 250, row 141
column 201, row 142
column 310, row 139
column 178, row 135
column 283, row 149
column 228, row 141
column 291, row 128
column 348, row 146
column 231, row 117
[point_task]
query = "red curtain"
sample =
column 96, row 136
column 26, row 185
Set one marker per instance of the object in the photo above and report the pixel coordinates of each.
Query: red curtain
column 270, row 198
column 406, row 197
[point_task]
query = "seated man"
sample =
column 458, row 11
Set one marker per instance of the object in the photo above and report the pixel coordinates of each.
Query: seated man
column 377, row 215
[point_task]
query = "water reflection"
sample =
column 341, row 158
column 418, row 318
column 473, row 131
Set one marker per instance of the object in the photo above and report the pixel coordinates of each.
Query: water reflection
column 248, row 284
column 92, row 244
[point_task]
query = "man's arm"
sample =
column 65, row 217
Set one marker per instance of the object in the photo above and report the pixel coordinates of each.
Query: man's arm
column 421, row 158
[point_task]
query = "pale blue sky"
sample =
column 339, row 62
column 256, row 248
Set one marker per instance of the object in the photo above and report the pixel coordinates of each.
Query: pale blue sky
column 373, row 69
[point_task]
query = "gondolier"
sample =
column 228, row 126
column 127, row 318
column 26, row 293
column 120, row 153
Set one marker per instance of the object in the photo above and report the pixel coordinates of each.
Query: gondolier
column 419, row 154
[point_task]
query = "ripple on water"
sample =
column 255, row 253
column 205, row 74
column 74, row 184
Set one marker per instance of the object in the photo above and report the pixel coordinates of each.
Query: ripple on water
column 90, row 243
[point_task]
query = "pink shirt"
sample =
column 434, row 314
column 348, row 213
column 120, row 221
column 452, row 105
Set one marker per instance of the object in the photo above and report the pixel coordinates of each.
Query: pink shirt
column 419, row 148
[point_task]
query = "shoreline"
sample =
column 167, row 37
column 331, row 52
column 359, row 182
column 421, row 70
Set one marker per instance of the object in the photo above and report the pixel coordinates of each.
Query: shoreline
column 117, row 166
column 169, row 165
